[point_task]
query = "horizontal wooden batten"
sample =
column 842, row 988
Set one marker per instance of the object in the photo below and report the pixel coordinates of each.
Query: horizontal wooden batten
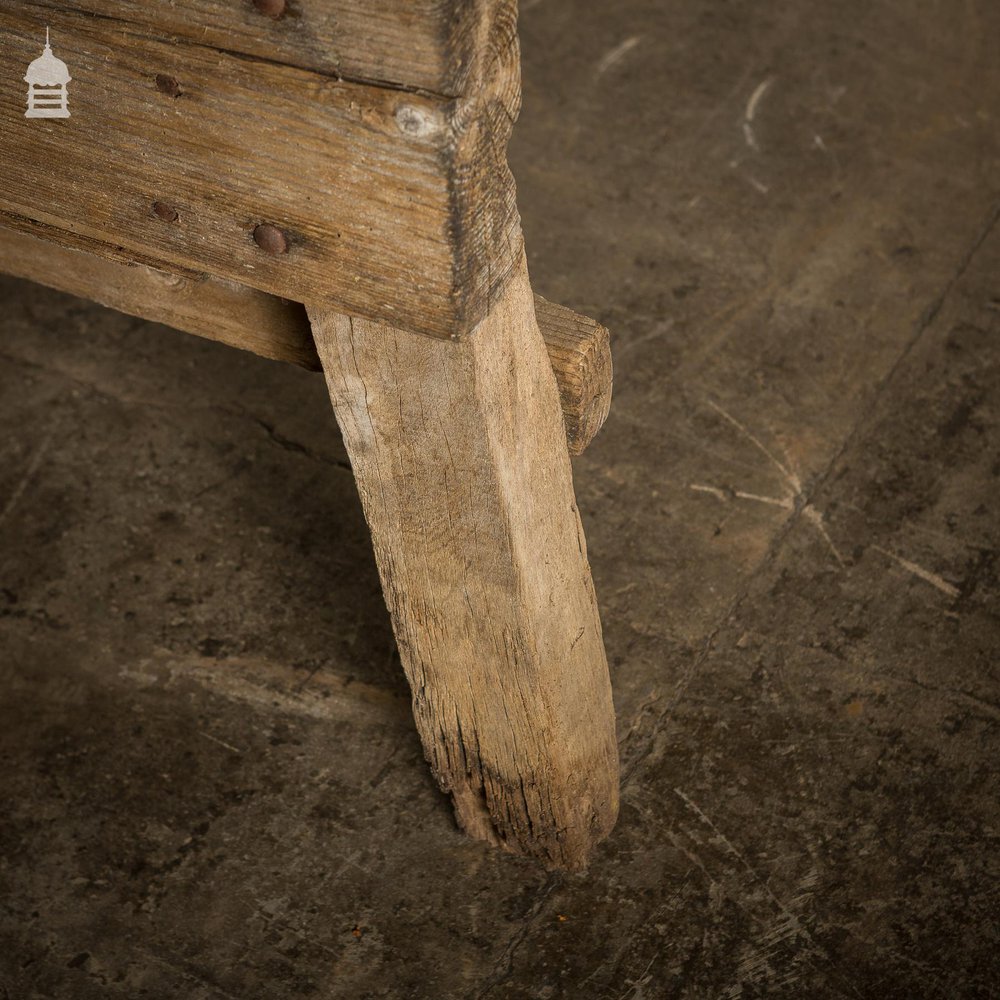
column 429, row 45
column 221, row 310
column 392, row 205
column 579, row 350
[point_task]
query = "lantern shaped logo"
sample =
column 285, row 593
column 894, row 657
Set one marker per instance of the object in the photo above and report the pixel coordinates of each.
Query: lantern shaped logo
column 47, row 78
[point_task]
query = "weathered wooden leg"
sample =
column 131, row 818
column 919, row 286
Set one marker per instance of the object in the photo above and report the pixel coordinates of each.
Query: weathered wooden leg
column 460, row 455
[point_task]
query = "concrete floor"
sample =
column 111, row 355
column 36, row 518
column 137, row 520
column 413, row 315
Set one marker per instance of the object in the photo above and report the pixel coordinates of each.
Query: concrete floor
column 211, row 787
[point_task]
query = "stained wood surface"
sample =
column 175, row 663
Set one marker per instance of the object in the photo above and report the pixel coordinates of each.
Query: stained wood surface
column 578, row 348
column 431, row 45
column 396, row 205
column 459, row 457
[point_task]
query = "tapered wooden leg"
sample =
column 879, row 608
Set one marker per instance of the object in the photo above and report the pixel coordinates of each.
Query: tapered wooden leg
column 460, row 455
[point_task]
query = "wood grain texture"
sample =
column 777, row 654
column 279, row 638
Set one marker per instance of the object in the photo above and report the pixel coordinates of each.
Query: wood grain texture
column 459, row 455
column 428, row 45
column 579, row 350
column 577, row 347
column 396, row 205
column 209, row 307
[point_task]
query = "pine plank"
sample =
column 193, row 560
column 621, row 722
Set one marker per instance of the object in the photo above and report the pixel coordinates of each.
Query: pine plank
column 578, row 347
column 430, row 45
column 395, row 205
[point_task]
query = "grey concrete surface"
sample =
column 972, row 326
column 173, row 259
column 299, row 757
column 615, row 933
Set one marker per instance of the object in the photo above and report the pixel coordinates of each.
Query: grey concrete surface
column 210, row 784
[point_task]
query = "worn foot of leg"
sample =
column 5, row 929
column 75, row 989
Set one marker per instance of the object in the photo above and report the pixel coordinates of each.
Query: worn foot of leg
column 459, row 451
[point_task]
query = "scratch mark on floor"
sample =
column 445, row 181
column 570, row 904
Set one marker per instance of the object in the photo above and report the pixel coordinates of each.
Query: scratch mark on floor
column 726, row 842
column 785, row 503
column 616, row 55
column 755, row 98
column 659, row 330
column 794, row 923
column 181, row 967
column 761, row 957
column 790, row 476
column 973, row 699
column 714, row 490
column 925, row 574
column 29, row 472
column 651, row 699
column 505, row 967
column 751, row 111
column 221, row 743
column 815, row 517
column 789, row 503
column 636, row 988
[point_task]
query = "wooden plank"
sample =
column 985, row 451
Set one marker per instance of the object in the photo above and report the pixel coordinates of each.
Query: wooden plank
column 429, row 45
column 395, row 205
column 466, row 484
column 195, row 303
column 578, row 348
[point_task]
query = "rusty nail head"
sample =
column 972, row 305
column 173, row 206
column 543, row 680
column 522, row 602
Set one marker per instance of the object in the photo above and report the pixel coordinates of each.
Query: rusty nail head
column 168, row 85
column 164, row 211
column 270, row 238
column 271, row 8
